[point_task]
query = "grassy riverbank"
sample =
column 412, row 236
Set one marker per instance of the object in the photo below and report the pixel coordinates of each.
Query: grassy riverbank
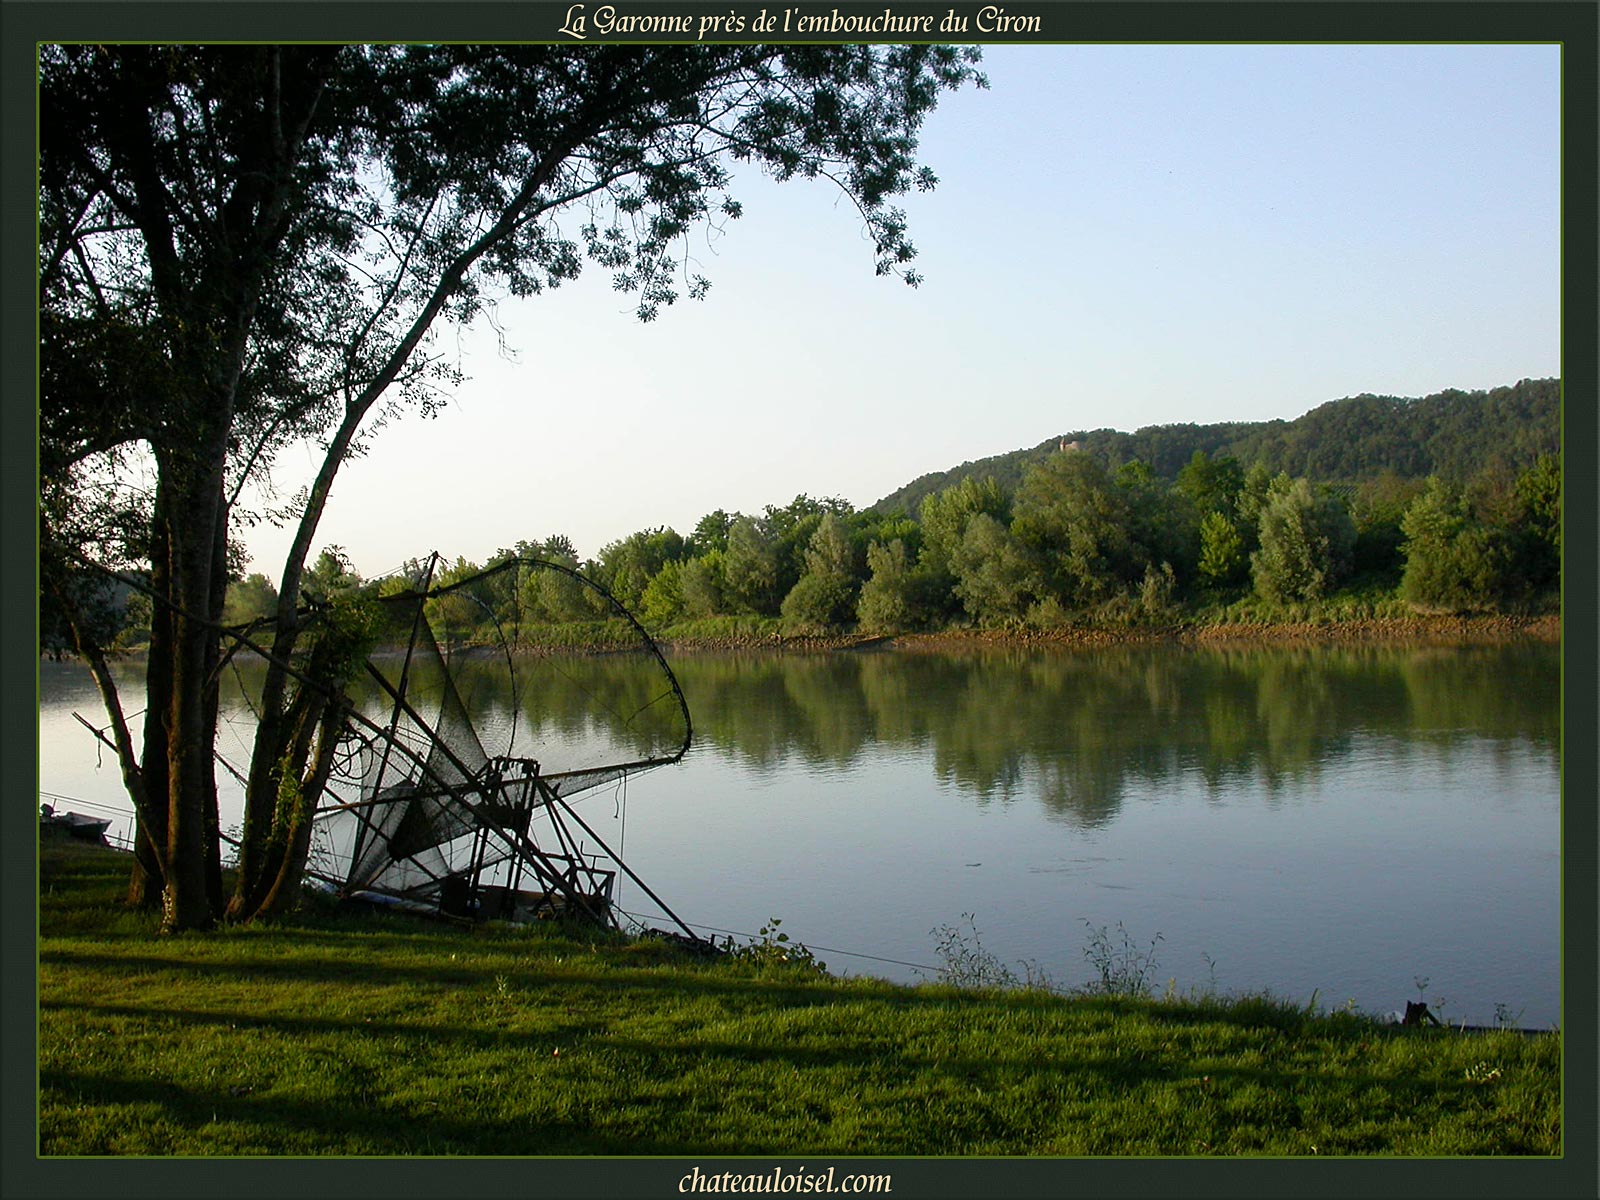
column 333, row 1034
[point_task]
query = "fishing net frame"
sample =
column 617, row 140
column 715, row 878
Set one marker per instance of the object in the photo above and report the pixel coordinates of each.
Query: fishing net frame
column 419, row 814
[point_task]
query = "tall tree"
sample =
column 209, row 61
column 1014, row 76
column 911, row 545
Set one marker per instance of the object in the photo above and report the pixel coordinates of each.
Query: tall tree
column 701, row 585
column 1377, row 508
column 1211, row 483
column 249, row 599
column 750, row 568
column 1306, row 542
column 661, row 602
column 627, row 566
column 1454, row 561
column 553, row 595
column 1538, row 525
column 1080, row 522
column 1222, row 558
column 889, row 598
column 824, row 597
column 711, row 532
column 996, row 576
column 242, row 247
column 944, row 516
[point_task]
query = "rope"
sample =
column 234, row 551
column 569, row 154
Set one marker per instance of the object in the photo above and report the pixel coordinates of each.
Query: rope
column 899, row 962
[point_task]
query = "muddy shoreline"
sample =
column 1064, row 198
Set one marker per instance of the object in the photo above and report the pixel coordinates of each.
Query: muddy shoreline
column 1413, row 630
column 1420, row 629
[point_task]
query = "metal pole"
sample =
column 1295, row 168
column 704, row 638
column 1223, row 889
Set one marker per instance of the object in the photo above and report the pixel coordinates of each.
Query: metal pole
column 556, row 796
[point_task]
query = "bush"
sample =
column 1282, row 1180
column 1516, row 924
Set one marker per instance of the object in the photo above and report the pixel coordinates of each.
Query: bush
column 817, row 604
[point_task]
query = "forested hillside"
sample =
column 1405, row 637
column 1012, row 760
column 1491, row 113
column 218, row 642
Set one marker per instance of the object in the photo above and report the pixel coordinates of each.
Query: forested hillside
column 1455, row 435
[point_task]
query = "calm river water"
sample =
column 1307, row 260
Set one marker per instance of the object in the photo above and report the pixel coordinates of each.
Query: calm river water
column 1349, row 822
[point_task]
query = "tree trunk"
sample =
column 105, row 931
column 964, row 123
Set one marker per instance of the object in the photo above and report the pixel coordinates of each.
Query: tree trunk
column 219, row 594
column 192, row 870
column 275, row 885
column 148, row 879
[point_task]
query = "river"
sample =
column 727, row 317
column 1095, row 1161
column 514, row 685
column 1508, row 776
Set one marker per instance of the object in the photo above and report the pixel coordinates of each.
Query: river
column 1360, row 824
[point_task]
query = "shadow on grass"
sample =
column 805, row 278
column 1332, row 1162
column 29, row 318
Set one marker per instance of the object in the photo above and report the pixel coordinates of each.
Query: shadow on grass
column 351, row 1125
column 234, row 963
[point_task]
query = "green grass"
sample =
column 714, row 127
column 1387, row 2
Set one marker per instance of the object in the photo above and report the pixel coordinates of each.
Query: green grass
column 1362, row 603
column 748, row 629
column 331, row 1034
column 580, row 635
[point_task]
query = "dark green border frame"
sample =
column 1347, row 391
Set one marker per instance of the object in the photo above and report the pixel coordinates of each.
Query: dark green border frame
column 1571, row 23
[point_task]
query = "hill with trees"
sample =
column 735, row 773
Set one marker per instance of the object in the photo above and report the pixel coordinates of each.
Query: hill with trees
column 1453, row 434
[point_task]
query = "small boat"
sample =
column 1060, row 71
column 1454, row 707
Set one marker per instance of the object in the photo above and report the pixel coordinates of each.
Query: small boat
column 87, row 829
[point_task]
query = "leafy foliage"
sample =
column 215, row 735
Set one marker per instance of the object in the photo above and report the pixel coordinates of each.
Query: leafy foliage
column 888, row 598
column 995, row 575
column 1071, row 514
column 1222, row 559
column 1306, row 541
column 773, row 949
column 824, row 597
column 750, row 568
column 626, row 567
column 1454, row 562
column 1211, row 484
column 1121, row 967
column 968, row 964
column 1538, row 523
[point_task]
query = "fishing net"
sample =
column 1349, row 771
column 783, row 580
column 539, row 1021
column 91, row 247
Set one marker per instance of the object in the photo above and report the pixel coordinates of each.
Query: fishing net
column 470, row 725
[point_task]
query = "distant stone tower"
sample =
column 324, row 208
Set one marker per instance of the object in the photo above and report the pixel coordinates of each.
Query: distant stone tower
column 1065, row 445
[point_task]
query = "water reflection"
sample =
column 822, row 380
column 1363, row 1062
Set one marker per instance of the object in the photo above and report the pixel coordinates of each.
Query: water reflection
column 1078, row 729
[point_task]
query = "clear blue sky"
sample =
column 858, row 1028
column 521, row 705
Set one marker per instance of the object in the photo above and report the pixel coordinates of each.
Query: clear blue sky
column 1122, row 236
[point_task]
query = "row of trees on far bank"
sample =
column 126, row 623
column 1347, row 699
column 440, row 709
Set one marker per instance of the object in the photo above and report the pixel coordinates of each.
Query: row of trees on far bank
column 1077, row 543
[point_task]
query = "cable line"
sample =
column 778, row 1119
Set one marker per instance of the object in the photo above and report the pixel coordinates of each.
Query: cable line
column 899, row 962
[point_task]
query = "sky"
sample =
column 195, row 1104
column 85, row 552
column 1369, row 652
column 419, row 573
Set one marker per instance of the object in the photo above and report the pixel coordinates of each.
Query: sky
column 1122, row 236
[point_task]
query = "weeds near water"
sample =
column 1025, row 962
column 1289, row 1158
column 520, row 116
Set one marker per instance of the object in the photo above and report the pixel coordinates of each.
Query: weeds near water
column 1123, row 968
column 1504, row 1018
column 965, row 961
column 968, row 965
column 775, row 949
column 1435, row 1008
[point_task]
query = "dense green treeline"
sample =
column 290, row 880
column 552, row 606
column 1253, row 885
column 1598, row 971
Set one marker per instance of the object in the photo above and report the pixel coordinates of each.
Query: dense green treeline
column 1365, row 507
column 1077, row 544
